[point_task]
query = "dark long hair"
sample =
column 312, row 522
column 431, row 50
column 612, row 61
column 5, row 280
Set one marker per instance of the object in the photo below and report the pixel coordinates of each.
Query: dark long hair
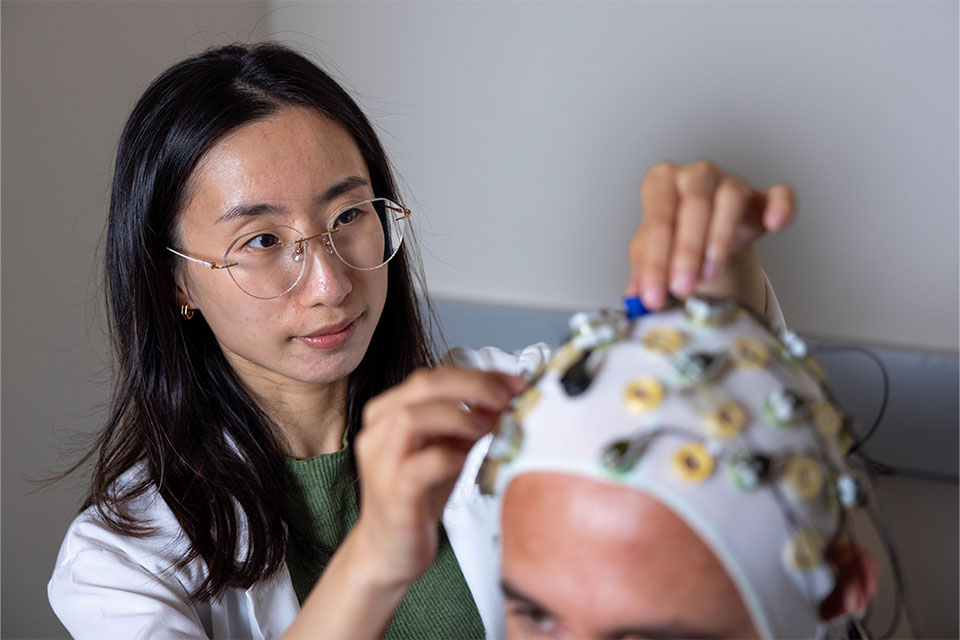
column 178, row 410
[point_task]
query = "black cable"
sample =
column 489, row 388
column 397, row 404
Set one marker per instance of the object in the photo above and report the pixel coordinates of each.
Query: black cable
column 862, row 440
column 874, row 466
column 902, row 609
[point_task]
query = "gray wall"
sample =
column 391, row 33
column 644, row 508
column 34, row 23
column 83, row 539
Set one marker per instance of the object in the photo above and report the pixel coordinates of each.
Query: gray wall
column 71, row 73
column 521, row 131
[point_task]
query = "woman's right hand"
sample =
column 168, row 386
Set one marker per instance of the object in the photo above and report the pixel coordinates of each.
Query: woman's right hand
column 412, row 448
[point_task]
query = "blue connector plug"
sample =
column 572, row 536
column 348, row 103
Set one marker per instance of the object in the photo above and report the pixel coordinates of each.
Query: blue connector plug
column 635, row 307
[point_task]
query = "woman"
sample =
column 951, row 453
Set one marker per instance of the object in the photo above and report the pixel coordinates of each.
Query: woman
column 263, row 311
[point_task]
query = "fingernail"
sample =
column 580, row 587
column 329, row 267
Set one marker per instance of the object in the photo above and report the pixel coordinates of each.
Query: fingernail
column 776, row 219
column 710, row 269
column 653, row 297
column 682, row 283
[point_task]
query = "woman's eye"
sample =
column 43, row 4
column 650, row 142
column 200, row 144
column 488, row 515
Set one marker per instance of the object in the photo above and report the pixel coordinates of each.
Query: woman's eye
column 263, row 241
column 348, row 216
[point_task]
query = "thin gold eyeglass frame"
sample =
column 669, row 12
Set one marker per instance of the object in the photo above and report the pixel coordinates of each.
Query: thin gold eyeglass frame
column 328, row 244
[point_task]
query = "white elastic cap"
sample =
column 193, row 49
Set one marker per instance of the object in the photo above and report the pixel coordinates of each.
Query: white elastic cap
column 704, row 408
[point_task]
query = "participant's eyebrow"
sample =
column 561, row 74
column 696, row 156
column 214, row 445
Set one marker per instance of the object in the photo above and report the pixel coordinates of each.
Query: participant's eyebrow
column 515, row 594
column 249, row 210
column 668, row 631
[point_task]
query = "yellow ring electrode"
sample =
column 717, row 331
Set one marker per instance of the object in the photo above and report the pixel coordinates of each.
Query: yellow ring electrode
column 803, row 551
column 804, row 477
column 663, row 340
column 642, row 394
column 827, row 419
column 726, row 420
column 692, row 463
column 750, row 353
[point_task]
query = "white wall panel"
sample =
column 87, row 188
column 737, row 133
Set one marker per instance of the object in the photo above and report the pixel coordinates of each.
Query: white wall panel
column 522, row 131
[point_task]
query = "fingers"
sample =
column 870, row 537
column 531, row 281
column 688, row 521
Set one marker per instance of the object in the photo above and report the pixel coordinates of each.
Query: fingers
column 483, row 390
column 418, row 425
column 696, row 186
column 434, row 466
column 780, row 207
column 489, row 390
column 695, row 218
column 650, row 248
column 730, row 202
column 447, row 402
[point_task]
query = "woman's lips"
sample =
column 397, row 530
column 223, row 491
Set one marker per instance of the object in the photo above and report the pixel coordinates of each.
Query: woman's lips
column 330, row 337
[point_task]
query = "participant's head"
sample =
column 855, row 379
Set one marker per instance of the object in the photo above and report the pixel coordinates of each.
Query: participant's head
column 680, row 475
column 219, row 148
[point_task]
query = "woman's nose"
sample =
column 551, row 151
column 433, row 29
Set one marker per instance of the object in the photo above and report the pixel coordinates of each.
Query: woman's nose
column 326, row 279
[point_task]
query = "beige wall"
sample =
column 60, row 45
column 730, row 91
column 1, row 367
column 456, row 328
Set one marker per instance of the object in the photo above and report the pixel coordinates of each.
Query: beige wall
column 71, row 73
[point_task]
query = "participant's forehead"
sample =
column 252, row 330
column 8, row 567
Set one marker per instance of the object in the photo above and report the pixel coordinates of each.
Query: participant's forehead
column 616, row 556
column 593, row 509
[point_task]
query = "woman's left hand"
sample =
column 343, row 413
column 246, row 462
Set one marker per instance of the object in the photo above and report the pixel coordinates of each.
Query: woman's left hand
column 697, row 221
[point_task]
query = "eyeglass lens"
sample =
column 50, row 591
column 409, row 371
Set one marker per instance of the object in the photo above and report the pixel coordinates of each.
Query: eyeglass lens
column 269, row 262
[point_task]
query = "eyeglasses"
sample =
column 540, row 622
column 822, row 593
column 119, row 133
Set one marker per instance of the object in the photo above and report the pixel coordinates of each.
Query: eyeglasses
column 269, row 263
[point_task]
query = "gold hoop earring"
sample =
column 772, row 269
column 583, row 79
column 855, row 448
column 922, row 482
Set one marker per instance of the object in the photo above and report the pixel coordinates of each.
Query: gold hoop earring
column 186, row 312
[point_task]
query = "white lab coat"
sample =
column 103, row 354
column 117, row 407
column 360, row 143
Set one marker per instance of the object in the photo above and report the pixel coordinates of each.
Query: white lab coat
column 106, row 585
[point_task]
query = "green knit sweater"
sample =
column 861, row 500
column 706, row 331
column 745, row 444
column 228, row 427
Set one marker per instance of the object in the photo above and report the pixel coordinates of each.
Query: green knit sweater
column 322, row 504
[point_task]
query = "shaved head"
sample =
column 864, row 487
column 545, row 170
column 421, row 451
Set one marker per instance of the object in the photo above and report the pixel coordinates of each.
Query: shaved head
column 585, row 558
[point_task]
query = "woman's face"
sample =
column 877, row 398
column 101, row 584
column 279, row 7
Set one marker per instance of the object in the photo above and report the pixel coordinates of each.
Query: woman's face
column 295, row 168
